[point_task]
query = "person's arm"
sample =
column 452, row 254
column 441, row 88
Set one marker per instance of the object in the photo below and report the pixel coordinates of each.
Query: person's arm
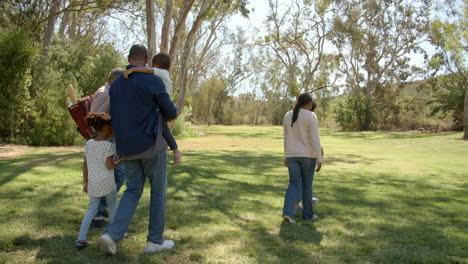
column 85, row 175
column 111, row 153
column 317, row 148
column 111, row 164
column 138, row 69
column 285, row 134
column 168, row 136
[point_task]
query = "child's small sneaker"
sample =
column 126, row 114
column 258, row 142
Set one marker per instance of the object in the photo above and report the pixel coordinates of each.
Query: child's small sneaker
column 153, row 247
column 81, row 244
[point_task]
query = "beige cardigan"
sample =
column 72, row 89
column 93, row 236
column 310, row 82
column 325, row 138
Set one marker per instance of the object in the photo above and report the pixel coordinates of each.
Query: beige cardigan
column 302, row 140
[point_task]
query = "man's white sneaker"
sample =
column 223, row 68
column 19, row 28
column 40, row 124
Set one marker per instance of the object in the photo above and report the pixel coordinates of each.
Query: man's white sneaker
column 107, row 244
column 153, row 247
column 288, row 219
column 315, row 200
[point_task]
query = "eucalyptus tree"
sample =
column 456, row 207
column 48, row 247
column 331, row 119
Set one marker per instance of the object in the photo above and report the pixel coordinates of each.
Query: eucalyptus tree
column 375, row 40
column 297, row 36
column 188, row 35
column 449, row 35
column 77, row 18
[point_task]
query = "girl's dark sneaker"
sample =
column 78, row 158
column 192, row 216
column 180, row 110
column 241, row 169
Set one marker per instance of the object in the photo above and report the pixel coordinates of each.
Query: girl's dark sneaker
column 81, row 244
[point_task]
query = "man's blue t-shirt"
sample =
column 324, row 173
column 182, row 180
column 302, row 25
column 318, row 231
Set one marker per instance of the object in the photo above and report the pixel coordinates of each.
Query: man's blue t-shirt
column 134, row 106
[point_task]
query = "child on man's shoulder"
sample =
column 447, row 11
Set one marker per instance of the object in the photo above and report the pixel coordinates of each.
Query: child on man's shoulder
column 161, row 64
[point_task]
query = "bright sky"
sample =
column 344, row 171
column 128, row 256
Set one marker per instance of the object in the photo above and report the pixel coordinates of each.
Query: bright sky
column 256, row 18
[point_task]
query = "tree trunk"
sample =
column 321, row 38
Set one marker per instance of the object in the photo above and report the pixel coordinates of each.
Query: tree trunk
column 465, row 114
column 150, row 29
column 49, row 31
column 64, row 23
column 179, row 29
column 166, row 26
column 189, row 43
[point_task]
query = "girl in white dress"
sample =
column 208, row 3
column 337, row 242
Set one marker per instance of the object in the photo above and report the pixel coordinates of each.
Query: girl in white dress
column 98, row 172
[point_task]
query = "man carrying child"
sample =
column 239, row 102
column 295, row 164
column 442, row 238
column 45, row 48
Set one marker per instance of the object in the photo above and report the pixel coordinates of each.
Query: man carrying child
column 137, row 106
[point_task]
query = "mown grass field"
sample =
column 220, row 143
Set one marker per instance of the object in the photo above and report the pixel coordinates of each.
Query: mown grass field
column 385, row 198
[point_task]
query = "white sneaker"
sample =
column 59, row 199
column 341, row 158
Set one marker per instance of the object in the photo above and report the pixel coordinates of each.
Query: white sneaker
column 314, row 217
column 107, row 244
column 153, row 247
column 288, row 219
column 315, row 200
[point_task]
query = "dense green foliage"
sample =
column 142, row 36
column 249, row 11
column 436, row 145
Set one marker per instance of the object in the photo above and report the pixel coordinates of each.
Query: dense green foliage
column 17, row 54
column 34, row 84
column 386, row 197
column 449, row 99
column 355, row 57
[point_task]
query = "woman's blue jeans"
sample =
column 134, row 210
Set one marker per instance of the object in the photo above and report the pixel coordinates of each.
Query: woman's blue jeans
column 301, row 175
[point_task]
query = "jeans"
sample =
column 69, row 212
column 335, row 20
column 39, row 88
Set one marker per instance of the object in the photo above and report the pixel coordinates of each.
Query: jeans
column 119, row 174
column 92, row 209
column 301, row 175
column 136, row 173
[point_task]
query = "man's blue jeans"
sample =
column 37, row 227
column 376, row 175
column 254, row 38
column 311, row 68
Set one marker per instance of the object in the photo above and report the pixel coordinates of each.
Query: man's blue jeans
column 136, row 173
column 301, row 175
column 119, row 174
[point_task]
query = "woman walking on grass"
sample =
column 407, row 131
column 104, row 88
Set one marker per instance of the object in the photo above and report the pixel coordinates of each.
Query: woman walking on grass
column 303, row 156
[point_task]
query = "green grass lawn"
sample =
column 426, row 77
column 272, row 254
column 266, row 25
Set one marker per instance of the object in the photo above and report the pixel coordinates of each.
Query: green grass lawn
column 385, row 198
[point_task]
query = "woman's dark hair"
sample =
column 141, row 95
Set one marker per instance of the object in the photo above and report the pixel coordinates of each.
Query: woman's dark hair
column 97, row 120
column 314, row 105
column 302, row 100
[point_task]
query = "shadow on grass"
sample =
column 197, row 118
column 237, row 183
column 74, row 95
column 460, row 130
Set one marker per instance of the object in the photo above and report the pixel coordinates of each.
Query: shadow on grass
column 375, row 218
column 53, row 249
column 390, row 219
column 204, row 187
column 12, row 168
column 227, row 185
column 302, row 231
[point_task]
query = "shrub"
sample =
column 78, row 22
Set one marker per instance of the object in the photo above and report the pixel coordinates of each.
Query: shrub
column 16, row 56
column 33, row 94
column 183, row 128
column 84, row 66
column 351, row 112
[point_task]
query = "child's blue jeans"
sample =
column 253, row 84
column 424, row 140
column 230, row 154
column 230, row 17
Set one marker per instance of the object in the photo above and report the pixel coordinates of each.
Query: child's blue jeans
column 119, row 174
column 111, row 199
